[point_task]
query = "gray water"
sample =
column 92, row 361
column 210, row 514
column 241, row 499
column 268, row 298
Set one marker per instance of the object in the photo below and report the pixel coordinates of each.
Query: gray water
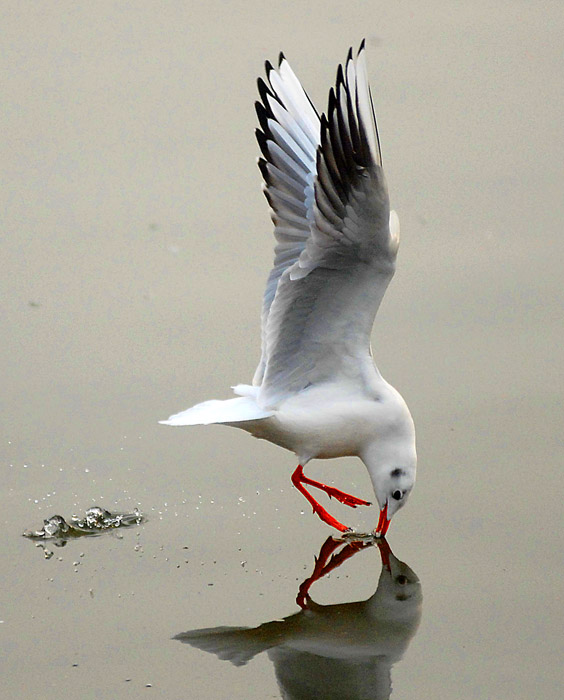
column 134, row 247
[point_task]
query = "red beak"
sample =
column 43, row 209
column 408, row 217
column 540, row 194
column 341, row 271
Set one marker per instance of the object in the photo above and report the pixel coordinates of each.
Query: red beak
column 383, row 522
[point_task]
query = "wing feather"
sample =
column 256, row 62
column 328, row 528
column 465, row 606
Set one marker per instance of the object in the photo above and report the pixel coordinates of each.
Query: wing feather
column 288, row 138
column 324, row 291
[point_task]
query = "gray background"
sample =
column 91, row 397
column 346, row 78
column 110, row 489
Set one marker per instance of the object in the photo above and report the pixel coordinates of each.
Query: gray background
column 134, row 246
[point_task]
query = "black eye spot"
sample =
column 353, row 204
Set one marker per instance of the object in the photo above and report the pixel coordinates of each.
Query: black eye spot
column 397, row 472
column 402, row 580
column 398, row 495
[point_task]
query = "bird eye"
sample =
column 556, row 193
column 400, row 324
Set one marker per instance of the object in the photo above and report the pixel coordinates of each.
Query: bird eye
column 398, row 495
column 402, row 580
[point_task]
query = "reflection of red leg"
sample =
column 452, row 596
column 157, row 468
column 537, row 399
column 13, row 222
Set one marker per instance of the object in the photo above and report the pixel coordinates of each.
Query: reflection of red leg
column 323, row 565
column 332, row 492
column 345, row 553
column 297, row 479
column 327, row 549
column 329, row 546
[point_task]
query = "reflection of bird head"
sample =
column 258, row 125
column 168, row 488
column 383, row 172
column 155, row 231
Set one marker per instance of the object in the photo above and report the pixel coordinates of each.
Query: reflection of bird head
column 342, row 651
column 399, row 589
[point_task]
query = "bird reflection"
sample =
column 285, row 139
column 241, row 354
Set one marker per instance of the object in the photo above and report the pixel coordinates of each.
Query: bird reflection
column 343, row 651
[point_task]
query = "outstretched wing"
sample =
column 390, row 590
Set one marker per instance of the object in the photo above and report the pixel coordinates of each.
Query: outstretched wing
column 288, row 138
column 319, row 322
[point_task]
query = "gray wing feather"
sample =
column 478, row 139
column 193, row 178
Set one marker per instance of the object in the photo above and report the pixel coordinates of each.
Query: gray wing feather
column 323, row 303
column 288, row 138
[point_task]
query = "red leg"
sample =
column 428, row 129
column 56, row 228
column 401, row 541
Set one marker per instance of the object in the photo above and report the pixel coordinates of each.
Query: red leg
column 297, row 479
column 332, row 492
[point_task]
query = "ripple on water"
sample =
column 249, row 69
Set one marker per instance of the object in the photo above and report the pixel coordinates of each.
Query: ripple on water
column 95, row 521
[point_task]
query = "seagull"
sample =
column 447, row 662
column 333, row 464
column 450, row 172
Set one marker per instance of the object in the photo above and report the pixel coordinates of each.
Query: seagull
column 316, row 390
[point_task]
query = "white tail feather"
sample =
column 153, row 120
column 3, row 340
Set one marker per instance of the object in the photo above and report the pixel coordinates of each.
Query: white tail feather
column 229, row 411
column 246, row 390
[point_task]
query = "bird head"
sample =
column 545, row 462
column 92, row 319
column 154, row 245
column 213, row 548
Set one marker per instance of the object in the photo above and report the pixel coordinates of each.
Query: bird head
column 393, row 476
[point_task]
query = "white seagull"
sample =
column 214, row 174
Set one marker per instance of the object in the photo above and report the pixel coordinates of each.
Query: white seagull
column 316, row 390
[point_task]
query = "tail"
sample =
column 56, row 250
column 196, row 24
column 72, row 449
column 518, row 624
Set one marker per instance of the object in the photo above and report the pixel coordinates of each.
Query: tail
column 235, row 644
column 237, row 410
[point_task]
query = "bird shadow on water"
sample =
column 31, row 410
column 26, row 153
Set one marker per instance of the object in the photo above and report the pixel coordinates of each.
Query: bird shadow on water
column 343, row 651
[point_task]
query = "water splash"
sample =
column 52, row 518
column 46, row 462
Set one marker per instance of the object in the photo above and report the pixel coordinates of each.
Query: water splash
column 95, row 521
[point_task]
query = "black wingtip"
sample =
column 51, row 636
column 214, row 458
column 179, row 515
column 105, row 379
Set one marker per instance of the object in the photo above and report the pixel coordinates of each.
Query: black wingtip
column 324, row 131
column 268, row 67
column 349, row 55
column 263, row 116
column 340, row 76
column 332, row 103
column 264, row 90
column 263, row 167
column 281, row 58
column 362, row 46
column 262, row 142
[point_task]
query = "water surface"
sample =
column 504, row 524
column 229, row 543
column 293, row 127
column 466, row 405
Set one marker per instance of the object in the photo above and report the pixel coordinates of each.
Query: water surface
column 134, row 247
